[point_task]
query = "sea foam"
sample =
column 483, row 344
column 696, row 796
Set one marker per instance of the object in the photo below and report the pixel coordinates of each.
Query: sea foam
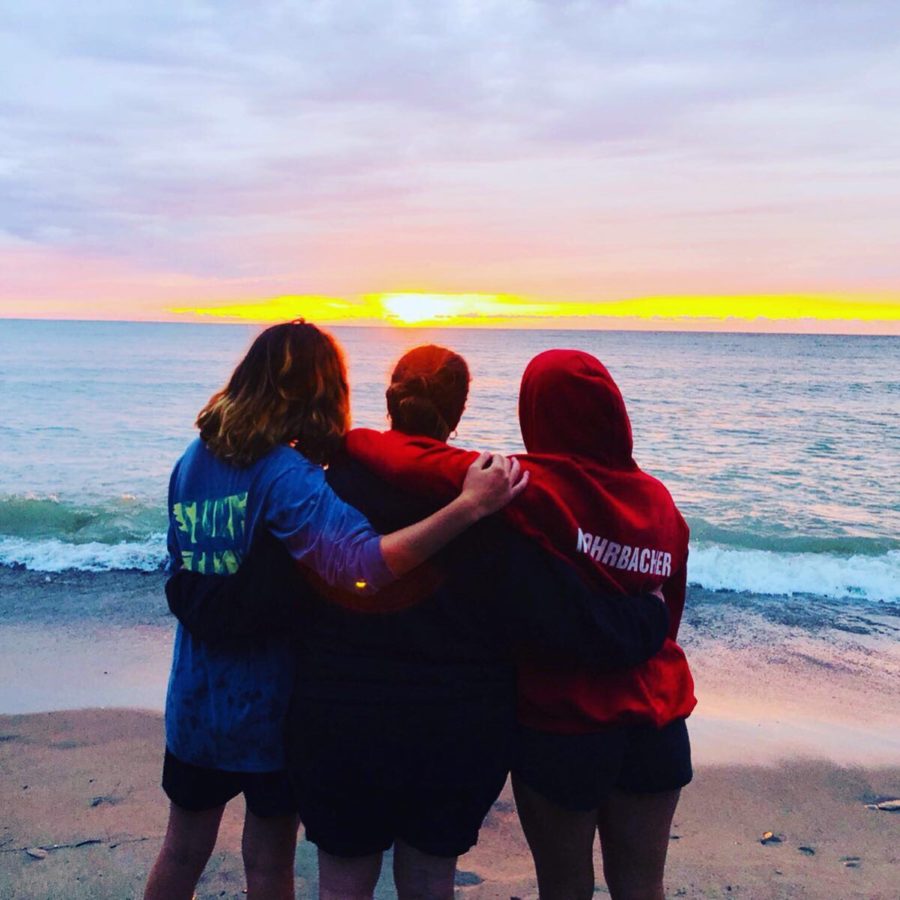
column 874, row 578
column 52, row 555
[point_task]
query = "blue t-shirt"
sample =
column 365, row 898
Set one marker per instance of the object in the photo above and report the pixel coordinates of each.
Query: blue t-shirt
column 225, row 708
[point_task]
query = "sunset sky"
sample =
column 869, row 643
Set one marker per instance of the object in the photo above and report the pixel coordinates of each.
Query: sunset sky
column 609, row 163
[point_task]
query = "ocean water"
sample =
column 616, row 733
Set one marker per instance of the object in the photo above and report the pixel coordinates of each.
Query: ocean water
column 782, row 451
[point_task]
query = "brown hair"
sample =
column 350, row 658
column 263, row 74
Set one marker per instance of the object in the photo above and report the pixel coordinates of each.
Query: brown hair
column 428, row 392
column 290, row 388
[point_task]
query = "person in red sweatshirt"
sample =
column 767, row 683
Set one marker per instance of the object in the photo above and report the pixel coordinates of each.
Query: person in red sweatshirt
column 598, row 752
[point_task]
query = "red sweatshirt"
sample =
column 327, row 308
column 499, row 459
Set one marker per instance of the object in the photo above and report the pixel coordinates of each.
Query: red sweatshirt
column 589, row 502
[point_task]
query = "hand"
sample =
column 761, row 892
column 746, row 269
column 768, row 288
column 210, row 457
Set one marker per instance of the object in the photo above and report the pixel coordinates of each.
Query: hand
column 491, row 482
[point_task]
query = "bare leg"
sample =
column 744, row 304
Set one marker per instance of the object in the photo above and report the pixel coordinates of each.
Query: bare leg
column 189, row 841
column 348, row 878
column 634, row 836
column 420, row 876
column 268, row 847
column 561, row 842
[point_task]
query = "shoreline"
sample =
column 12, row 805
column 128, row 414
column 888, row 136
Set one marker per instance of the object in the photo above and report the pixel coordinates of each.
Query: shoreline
column 776, row 677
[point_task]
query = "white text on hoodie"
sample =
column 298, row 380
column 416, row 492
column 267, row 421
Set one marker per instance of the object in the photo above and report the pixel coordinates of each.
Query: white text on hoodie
column 624, row 556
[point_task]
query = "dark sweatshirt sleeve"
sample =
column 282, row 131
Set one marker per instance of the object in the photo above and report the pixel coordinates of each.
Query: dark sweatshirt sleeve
column 265, row 596
column 551, row 610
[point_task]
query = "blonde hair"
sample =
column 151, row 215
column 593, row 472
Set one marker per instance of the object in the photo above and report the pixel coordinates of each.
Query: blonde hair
column 290, row 388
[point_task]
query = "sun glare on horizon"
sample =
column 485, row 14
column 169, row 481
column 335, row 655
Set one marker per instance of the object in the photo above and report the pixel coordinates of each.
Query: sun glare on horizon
column 415, row 308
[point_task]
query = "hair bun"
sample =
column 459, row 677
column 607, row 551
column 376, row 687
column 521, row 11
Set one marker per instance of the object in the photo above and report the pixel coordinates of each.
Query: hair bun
column 413, row 411
column 428, row 392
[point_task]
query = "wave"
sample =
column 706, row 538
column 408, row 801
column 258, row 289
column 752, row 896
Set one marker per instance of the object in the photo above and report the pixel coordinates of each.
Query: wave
column 761, row 535
column 859, row 576
column 46, row 534
column 864, row 578
column 53, row 555
column 124, row 518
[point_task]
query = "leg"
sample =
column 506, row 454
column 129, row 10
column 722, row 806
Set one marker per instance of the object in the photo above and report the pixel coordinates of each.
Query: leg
column 420, row 876
column 348, row 878
column 268, row 847
column 634, row 836
column 189, row 841
column 561, row 842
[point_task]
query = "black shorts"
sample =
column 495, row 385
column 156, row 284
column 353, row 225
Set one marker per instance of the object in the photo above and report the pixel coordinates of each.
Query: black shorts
column 364, row 780
column 578, row 771
column 196, row 789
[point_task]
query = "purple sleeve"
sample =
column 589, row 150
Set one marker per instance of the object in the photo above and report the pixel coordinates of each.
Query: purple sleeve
column 331, row 537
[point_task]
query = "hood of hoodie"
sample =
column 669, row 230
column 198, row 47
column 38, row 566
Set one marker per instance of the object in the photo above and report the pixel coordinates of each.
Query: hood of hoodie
column 569, row 404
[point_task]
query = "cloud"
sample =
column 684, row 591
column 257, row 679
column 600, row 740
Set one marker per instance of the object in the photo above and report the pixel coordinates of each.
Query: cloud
column 355, row 145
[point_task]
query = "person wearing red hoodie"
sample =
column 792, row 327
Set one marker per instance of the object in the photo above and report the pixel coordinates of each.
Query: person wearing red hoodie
column 598, row 752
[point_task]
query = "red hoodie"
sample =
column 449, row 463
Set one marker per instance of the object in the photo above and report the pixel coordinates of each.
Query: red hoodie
column 589, row 502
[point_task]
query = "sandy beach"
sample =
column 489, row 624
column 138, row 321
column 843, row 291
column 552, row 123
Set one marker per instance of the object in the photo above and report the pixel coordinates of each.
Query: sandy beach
column 796, row 735
column 84, row 818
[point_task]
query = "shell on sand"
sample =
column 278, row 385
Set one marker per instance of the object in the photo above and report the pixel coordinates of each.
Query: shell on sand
column 886, row 805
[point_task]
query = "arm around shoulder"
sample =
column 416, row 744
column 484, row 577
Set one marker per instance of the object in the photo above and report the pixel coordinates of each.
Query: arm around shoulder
column 553, row 610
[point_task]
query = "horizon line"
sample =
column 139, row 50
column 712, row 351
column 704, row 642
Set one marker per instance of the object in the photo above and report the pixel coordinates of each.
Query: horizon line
column 619, row 325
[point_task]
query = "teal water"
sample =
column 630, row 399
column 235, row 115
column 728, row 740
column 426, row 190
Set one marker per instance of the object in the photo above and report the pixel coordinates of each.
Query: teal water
column 781, row 450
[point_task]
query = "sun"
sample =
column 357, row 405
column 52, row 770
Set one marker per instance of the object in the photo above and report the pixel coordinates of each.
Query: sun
column 413, row 309
column 443, row 309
